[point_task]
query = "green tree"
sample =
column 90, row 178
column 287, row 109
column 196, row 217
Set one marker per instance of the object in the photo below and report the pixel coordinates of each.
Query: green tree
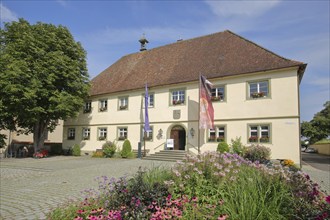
column 43, row 77
column 319, row 127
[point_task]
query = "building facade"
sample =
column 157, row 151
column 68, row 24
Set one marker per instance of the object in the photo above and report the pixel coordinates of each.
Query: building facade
column 15, row 141
column 255, row 97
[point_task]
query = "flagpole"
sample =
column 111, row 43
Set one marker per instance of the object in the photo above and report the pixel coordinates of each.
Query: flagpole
column 144, row 145
column 199, row 108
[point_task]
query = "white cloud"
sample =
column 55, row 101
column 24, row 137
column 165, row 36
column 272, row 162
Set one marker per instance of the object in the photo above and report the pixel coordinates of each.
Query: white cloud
column 6, row 14
column 62, row 2
column 247, row 8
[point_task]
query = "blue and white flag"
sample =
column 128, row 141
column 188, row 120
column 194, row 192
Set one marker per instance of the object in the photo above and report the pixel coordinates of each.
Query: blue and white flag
column 146, row 116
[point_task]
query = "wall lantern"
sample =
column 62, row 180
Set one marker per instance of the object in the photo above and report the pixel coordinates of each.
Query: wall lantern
column 192, row 132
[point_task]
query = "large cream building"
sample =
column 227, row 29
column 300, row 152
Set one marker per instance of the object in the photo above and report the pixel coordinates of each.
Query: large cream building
column 255, row 97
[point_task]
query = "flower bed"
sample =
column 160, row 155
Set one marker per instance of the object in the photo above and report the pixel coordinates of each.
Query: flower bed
column 209, row 186
column 41, row 154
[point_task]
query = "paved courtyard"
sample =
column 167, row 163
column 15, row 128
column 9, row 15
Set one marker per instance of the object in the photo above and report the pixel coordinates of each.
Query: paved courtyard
column 30, row 188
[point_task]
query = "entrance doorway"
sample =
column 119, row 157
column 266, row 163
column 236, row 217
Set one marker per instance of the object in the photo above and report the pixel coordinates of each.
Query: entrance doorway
column 178, row 134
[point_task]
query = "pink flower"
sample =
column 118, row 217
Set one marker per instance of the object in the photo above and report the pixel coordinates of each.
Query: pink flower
column 81, row 211
column 78, row 218
column 327, row 199
column 194, row 199
column 168, row 203
column 222, row 217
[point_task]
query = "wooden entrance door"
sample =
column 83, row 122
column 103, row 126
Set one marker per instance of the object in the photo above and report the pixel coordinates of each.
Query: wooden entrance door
column 178, row 134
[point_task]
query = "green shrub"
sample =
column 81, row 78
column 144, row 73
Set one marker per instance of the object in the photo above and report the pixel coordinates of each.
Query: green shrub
column 237, row 146
column 223, row 147
column 257, row 153
column 109, row 149
column 76, row 150
column 127, row 149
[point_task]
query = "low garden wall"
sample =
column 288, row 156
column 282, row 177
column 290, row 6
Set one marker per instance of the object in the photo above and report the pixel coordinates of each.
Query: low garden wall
column 322, row 148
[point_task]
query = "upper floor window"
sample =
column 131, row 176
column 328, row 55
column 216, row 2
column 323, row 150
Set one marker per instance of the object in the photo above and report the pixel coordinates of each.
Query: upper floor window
column 86, row 133
column 178, row 97
column 122, row 133
column 259, row 89
column 150, row 100
column 87, row 107
column 218, row 94
column 71, row 133
column 102, row 133
column 259, row 133
column 123, row 103
column 217, row 134
column 103, row 105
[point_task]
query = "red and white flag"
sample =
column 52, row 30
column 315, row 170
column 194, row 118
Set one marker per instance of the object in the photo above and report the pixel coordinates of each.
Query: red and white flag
column 206, row 112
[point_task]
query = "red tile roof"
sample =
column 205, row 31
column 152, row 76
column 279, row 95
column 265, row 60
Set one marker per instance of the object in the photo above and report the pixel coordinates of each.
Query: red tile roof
column 216, row 55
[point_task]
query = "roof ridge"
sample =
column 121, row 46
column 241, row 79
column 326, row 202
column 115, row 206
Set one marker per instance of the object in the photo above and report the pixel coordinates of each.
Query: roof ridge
column 177, row 42
column 263, row 48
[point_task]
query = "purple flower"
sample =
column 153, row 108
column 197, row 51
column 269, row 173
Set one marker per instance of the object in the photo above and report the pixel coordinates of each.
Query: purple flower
column 327, row 199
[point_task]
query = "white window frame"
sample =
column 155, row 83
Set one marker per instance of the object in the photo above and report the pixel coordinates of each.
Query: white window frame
column 122, row 133
column 258, row 91
column 150, row 134
column 102, row 133
column 86, row 133
column 88, row 107
column 151, row 101
column 257, row 132
column 71, row 133
column 123, row 103
column 103, row 105
column 219, row 129
column 215, row 94
column 178, row 97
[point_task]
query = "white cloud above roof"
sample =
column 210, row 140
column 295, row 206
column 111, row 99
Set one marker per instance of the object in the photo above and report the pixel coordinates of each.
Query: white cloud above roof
column 248, row 8
column 6, row 14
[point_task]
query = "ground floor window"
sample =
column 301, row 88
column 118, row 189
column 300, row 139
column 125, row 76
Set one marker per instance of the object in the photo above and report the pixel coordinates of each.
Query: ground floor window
column 259, row 133
column 218, row 134
column 149, row 134
column 86, row 133
column 71, row 133
column 102, row 133
column 122, row 133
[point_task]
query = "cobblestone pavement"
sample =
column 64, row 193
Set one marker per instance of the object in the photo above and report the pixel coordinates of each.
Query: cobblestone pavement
column 30, row 188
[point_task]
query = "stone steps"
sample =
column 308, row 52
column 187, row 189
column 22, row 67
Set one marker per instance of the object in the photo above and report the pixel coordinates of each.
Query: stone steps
column 167, row 155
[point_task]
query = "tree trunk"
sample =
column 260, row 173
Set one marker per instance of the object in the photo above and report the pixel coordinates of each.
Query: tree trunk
column 39, row 132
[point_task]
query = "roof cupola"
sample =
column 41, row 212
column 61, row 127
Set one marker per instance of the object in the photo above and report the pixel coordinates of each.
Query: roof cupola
column 143, row 42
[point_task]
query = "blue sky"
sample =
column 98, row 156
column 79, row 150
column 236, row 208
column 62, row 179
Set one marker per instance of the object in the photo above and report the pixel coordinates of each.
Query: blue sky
column 108, row 30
